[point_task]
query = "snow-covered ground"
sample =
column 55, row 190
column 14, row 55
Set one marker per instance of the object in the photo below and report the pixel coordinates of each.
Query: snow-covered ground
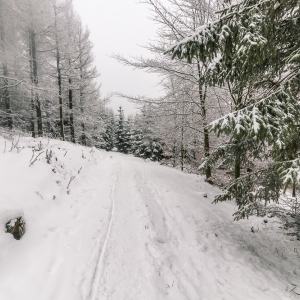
column 130, row 229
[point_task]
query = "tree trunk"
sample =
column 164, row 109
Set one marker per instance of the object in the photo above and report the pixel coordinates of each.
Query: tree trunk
column 81, row 100
column 7, row 99
column 5, row 71
column 34, row 80
column 59, row 81
column 83, row 137
column 61, row 114
column 237, row 163
column 294, row 189
column 32, row 120
column 237, row 167
column 39, row 114
column 181, row 143
column 174, row 154
column 202, row 96
column 71, row 111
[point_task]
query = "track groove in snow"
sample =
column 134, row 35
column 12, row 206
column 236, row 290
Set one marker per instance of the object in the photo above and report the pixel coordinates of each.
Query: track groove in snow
column 98, row 269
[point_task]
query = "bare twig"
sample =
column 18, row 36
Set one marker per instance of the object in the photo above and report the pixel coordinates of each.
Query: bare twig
column 66, row 153
column 14, row 145
column 19, row 149
column 36, row 158
column 32, row 155
column 79, row 170
column 49, row 156
column 40, row 146
column 71, row 179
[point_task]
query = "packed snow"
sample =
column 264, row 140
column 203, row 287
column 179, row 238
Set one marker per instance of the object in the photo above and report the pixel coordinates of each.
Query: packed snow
column 104, row 225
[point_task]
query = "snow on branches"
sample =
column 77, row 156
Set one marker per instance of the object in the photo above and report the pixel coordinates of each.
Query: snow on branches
column 267, row 118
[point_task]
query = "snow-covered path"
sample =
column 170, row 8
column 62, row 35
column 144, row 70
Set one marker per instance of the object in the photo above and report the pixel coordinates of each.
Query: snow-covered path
column 131, row 229
column 167, row 240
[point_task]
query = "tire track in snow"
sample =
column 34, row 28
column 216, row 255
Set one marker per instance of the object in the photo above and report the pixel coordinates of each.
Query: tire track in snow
column 98, row 270
column 154, row 209
column 126, row 262
column 169, row 268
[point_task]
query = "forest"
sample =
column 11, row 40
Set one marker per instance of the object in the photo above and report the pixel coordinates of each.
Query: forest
column 230, row 75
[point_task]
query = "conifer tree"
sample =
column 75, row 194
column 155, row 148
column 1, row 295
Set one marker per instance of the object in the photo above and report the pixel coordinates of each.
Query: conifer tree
column 108, row 135
column 254, row 46
column 147, row 143
column 136, row 140
column 122, row 133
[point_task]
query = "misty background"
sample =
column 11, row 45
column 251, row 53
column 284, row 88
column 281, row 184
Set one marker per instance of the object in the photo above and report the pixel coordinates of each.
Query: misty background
column 120, row 27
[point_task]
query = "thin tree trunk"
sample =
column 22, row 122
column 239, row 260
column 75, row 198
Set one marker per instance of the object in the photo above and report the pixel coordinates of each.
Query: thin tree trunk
column 39, row 114
column 48, row 116
column 60, row 100
column 237, row 167
column 174, row 154
column 7, row 99
column 294, row 189
column 237, row 163
column 71, row 111
column 202, row 97
column 182, row 151
column 5, row 71
column 59, row 81
column 81, row 100
column 83, row 137
column 72, row 127
column 32, row 119
column 34, row 81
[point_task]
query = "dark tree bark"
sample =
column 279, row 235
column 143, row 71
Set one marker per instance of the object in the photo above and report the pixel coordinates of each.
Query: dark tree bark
column 36, row 104
column 182, row 152
column 71, row 111
column 6, row 94
column 7, row 98
column 59, row 80
column 83, row 137
column 202, row 97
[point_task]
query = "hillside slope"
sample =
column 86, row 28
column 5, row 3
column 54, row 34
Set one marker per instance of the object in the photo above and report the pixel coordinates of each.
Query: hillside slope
column 130, row 229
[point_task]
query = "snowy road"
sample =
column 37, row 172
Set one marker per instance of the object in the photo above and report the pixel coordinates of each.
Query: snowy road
column 165, row 240
column 131, row 229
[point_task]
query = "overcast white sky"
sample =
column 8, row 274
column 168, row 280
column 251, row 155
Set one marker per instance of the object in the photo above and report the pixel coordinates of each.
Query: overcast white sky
column 119, row 26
